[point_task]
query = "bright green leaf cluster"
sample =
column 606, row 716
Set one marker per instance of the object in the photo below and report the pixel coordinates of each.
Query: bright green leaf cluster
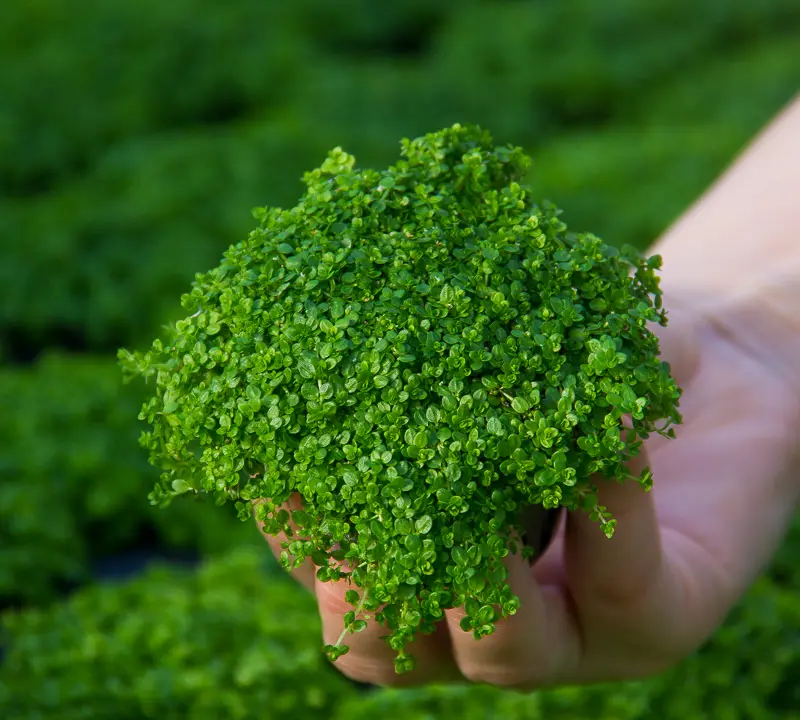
column 421, row 353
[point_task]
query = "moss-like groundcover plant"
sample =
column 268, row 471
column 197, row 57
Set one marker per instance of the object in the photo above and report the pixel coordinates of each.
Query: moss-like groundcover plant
column 421, row 354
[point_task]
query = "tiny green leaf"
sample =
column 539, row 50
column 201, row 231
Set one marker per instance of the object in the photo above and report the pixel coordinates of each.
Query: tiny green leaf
column 424, row 524
column 520, row 405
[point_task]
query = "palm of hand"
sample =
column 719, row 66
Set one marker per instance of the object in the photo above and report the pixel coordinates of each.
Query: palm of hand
column 597, row 610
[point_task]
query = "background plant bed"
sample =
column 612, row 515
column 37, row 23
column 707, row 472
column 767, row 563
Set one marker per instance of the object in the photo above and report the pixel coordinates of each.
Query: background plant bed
column 125, row 186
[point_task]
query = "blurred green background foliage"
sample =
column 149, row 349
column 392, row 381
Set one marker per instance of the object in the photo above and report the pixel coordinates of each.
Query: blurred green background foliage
column 136, row 137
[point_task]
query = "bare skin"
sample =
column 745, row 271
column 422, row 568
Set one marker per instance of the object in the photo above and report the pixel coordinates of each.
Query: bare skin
column 725, row 490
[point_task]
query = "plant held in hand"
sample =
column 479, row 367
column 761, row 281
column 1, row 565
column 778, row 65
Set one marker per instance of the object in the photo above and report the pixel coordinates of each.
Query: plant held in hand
column 421, row 354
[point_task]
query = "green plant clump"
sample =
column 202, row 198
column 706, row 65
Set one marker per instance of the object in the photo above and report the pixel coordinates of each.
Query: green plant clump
column 420, row 353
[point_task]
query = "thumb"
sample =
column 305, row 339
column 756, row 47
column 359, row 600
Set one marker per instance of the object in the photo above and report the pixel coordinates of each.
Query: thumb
column 619, row 570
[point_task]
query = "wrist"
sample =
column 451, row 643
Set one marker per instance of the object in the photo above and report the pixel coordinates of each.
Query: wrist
column 746, row 228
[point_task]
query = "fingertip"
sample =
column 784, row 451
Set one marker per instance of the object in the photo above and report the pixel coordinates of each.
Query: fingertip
column 527, row 649
column 369, row 658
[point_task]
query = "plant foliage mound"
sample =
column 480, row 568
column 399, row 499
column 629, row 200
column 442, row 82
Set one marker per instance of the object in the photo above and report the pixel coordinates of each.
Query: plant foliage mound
column 73, row 483
column 420, row 353
column 227, row 641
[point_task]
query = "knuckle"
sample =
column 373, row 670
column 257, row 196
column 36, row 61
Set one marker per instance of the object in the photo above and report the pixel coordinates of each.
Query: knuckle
column 331, row 599
column 626, row 594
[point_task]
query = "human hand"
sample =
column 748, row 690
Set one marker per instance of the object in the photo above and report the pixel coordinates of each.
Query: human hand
column 594, row 609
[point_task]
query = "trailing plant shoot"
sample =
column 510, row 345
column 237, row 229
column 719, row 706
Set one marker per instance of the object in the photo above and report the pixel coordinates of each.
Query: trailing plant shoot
column 420, row 353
